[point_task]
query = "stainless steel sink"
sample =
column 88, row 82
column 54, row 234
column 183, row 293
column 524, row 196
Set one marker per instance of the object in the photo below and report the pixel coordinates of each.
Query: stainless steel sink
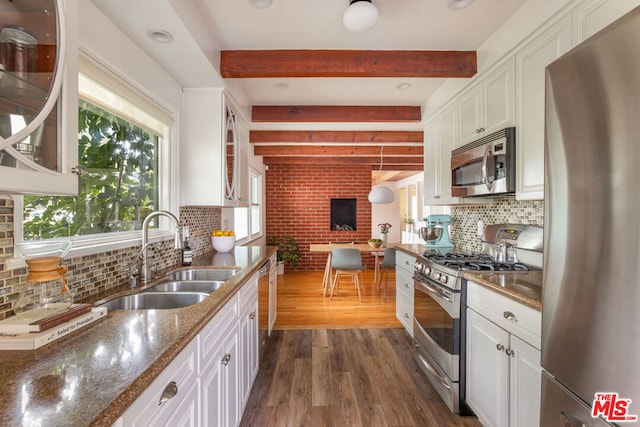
column 220, row 274
column 155, row 300
column 207, row 286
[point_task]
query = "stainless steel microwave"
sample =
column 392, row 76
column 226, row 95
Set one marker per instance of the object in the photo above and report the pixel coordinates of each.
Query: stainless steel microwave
column 485, row 167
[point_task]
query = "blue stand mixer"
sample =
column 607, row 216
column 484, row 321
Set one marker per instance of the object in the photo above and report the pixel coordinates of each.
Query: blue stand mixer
column 436, row 233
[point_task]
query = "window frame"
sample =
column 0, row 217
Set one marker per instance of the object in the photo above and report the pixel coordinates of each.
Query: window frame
column 168, row 172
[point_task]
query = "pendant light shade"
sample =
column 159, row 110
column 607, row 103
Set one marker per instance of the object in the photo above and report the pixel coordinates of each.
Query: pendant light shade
column 381, row 195
column 360, row 16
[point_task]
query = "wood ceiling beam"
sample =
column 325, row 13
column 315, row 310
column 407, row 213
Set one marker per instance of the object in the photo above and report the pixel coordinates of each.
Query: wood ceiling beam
column 335, row 113
column 337, row 150
column 377, row 137
column 347, row 63
column 390, row 163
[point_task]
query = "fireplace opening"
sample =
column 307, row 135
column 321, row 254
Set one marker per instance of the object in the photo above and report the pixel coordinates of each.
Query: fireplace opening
column 343, row 214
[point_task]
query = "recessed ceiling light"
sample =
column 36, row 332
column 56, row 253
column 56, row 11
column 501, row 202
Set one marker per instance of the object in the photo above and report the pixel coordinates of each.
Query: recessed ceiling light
column 458, row 4
column 160, row 36
column 260, row 4
column 404, row 85
column 282, row 85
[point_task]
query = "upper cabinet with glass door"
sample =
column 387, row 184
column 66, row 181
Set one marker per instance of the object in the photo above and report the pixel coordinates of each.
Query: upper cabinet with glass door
column 38, row 96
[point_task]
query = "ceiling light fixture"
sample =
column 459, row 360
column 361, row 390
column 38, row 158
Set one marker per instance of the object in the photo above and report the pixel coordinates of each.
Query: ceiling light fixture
column 458, row 4
column 260, row 4
column 381, row 194
column 160, row 36
column 360, row 15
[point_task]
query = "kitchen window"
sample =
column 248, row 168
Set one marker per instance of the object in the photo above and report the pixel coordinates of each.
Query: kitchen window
column 248, row 220
column 124, row 147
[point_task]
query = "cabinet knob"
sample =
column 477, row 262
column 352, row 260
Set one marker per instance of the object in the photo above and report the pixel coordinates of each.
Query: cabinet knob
column 78, row 170
column 509, row 352
column 252, row 315
column 510, row 316
column 436, row 197
column 406, row 315
column 168, row 393
column 406, row 285
column 500, row 347
column 480, row 130
column 226, row 359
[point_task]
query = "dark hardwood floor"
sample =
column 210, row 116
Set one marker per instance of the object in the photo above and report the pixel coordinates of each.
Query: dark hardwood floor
column 341, row 363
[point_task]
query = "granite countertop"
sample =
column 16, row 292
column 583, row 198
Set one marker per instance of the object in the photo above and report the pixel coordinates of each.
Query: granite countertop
column 410, row 248
column 90, row 377
column 524, row 287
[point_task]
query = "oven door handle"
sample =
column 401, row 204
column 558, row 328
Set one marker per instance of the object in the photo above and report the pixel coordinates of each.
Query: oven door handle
column 435, row 291
column 485, row 172
column 432, row 370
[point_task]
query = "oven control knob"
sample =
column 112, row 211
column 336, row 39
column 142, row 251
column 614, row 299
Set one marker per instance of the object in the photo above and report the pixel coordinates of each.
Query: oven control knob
column 427, row 270
column 437, row 276
column 443, row 278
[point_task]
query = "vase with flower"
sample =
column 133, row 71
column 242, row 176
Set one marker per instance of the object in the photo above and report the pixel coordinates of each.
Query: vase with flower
column 384, row 230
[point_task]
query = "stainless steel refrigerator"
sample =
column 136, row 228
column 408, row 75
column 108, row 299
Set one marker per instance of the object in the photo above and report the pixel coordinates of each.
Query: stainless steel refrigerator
column 591, row 294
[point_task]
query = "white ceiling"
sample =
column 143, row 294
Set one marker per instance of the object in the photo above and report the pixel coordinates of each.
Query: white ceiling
column 201, row 28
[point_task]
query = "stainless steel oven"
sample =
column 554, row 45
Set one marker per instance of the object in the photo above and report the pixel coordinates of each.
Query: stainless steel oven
column 440, row 302
column 437, row 336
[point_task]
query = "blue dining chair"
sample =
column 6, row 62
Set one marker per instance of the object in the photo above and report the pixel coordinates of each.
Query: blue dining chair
column 387, row 264
column 346, row 262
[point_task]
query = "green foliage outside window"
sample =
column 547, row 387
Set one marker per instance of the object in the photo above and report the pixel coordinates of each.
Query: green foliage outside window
column 119, row 187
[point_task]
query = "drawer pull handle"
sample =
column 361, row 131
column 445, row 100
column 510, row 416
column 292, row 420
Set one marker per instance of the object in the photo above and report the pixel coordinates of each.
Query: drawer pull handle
column 226, row 359
column 406, row 315
column 500, row 347
column 406, row 285
column 168, row 393
column 510, row 316
column 252, row 315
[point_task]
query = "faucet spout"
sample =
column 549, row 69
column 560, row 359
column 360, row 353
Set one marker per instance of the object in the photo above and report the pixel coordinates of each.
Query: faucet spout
column 144, row 270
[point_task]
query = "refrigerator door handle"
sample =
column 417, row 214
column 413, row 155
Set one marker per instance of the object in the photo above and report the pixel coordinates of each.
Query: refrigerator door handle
column 569, row 421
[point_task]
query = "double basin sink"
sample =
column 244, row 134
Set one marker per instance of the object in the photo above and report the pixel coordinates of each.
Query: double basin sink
column 180, row 289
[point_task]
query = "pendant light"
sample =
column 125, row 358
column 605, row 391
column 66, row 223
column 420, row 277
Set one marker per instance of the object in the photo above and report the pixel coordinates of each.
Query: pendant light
column 381, row 194
column 360, row 16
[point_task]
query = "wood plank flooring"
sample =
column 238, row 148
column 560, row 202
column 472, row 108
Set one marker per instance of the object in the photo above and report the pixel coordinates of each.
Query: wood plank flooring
column 344, row 377
column 341, row 363
column 302, row 306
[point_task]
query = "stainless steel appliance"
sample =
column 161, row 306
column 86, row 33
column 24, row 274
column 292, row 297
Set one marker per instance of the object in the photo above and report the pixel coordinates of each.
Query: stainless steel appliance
column 265, row 291
column 440, row 300
column 485, row 167
column 591, row 296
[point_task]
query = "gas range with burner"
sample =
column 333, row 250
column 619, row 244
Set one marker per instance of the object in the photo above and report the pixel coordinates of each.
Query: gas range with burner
column 440, row 300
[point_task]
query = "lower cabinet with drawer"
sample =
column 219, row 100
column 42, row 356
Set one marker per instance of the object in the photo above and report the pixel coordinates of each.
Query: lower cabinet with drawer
column 209, row 381
column 404, row 289
column 503, row 370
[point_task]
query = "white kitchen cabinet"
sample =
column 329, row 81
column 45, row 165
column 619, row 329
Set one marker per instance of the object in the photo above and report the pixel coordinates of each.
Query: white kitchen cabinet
column 213, row 172
column 219, row 368
column 249, row 340
column 404, row 289
column 503, row 370
column 172, row 398
column 531, row 60
column 440, row 136
column 487, row 105
column 39, row 108
column 591, row 16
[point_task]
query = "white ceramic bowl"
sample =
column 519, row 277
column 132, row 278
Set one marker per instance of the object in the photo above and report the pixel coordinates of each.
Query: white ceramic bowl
column 223, row 243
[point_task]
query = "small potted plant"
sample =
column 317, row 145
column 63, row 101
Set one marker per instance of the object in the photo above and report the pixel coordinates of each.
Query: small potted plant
column 288, row 250
column 408, row 223
column 384, row 230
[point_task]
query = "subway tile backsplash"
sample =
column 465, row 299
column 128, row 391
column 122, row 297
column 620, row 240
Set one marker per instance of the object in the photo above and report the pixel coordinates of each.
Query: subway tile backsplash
column 91, row 274
column 503, row 210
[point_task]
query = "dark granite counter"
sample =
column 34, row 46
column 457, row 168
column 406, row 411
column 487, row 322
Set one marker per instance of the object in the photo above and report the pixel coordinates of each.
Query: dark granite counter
column 90, row 377
column 524, row 287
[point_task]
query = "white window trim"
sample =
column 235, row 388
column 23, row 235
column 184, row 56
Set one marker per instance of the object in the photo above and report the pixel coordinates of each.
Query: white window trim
column 99, row 243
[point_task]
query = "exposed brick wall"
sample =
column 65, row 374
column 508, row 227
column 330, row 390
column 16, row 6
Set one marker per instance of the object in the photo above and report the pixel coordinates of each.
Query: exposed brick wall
column 298, row 204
